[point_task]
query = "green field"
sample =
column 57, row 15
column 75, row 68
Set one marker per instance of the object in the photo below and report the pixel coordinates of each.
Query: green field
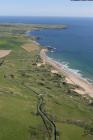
column 20, row 77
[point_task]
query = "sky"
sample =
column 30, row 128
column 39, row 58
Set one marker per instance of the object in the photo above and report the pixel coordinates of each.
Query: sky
column 46, row 8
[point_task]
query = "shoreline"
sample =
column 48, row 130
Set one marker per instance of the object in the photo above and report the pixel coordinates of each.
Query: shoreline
column 84, row 86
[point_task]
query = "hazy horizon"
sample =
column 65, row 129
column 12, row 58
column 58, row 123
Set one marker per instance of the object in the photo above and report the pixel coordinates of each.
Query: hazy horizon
column 41, row 8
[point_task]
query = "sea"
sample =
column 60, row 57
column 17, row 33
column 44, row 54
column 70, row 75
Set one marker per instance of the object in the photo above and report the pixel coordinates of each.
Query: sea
column 74, row 45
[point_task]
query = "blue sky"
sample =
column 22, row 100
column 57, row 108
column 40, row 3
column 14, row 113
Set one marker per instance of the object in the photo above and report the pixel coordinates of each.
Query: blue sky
column 46, row 8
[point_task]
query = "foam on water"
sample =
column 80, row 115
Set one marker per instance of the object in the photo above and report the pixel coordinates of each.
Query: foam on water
column 65, row 66
column 74, row 46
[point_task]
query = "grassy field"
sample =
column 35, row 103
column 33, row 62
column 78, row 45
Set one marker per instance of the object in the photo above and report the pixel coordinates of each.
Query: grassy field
column 19, row 77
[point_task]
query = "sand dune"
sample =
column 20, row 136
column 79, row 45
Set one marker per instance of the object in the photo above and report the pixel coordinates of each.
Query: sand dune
column 85, row 86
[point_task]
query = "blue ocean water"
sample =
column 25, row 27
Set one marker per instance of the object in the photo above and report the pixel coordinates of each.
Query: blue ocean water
column 74, row 45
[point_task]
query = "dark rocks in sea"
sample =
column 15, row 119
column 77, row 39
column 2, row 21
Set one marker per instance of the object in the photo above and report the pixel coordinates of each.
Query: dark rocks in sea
column 50, row 48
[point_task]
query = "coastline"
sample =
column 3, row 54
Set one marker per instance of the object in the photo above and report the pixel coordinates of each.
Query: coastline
column 84, row 86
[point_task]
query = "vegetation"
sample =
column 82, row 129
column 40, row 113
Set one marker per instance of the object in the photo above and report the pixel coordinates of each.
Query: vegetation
column 22, row 84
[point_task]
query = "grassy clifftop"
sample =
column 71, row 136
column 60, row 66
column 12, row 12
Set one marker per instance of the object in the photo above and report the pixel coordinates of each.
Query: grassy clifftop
column 20, row 78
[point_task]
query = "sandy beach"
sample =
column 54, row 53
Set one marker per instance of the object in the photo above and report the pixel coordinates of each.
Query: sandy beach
column 85, row 86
